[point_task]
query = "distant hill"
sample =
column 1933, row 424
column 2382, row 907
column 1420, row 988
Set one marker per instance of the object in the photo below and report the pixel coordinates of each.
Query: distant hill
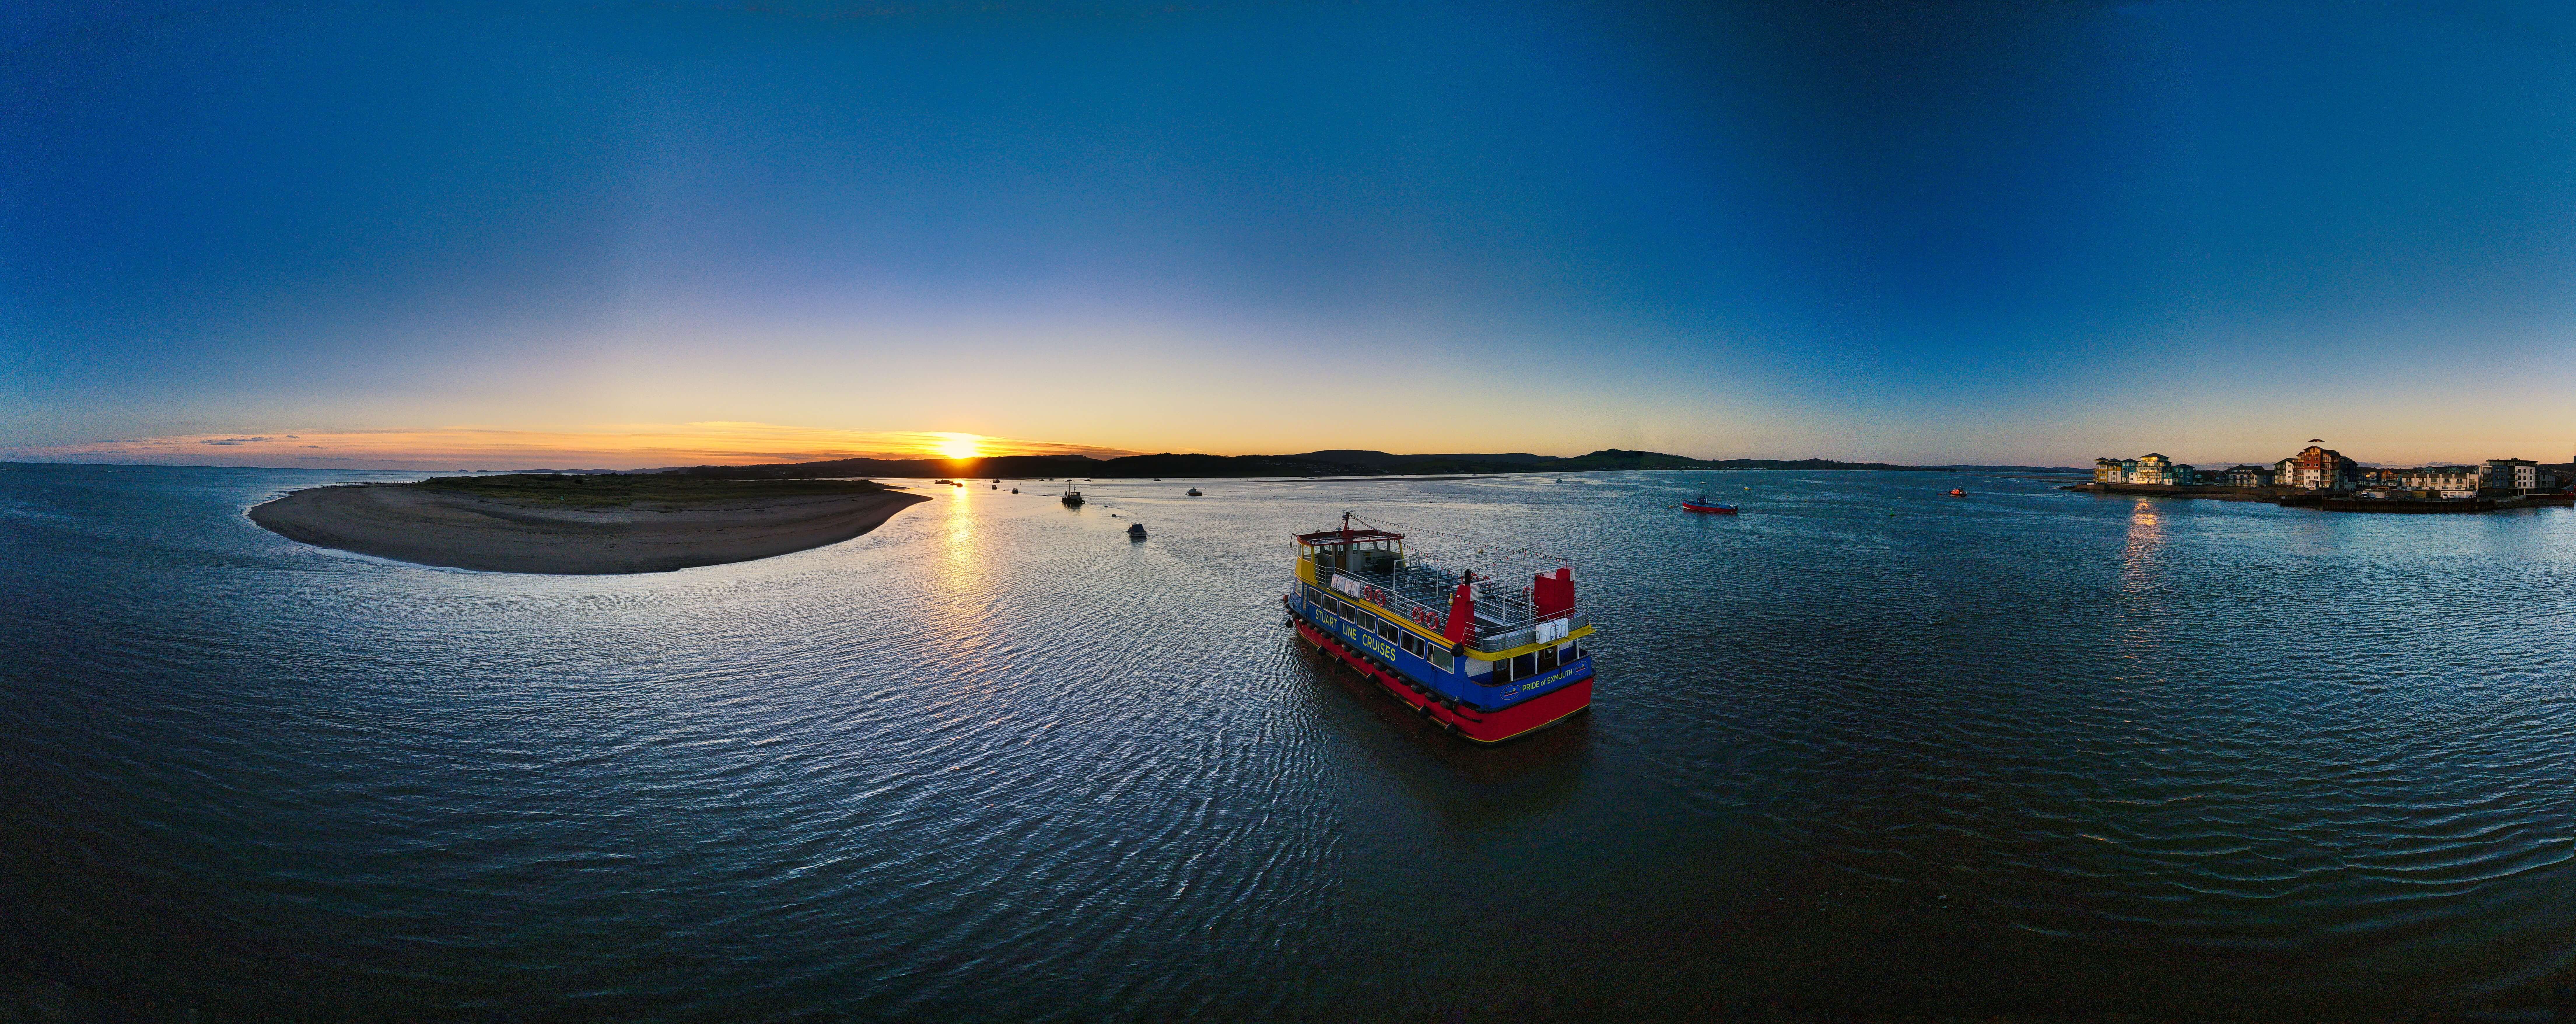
column 1335, row 462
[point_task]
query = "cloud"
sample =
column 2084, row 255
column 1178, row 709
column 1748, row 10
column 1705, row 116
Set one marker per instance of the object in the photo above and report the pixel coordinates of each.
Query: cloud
column 221, row 441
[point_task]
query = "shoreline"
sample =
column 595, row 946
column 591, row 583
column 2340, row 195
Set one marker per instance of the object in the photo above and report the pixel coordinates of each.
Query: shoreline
column 2330, row 501
column 425, row 526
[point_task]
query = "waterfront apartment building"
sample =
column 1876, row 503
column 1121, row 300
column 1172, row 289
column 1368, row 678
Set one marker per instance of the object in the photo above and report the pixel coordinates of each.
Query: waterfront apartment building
column 2498, row 478
column 2516, row 476
column 2447, row 481
column 2317, row 469
column 2151, row 468
column 2246, row 475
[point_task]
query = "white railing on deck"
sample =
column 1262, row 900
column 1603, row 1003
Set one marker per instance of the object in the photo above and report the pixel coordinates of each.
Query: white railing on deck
column 1513, row 609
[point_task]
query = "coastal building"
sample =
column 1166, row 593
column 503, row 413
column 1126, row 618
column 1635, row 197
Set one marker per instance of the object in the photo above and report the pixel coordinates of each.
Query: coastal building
column 2317, row 469
column 2446, row 481
column 2151, row 468
column 2155, row 468
column 2512, row 476
column 2498, row 478
column 2246, row 475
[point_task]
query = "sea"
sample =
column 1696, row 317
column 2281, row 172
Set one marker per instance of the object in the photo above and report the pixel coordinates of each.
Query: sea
column 1863, row 749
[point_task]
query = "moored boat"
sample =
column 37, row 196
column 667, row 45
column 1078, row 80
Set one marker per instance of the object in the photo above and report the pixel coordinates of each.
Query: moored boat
column 1194, row 492
column 1703, row 505
column 1072, row 498
column 1136, row 531
column 1485, row 660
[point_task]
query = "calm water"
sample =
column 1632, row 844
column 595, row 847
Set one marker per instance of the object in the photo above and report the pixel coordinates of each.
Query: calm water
column 1860, row 748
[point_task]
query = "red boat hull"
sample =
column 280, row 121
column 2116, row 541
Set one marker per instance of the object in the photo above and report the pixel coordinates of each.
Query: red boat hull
column 1518, row 720
column 1714, row 510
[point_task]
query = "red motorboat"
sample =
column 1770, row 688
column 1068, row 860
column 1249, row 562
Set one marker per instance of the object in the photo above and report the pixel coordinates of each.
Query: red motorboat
column 1958, row 492
column 1707, row 507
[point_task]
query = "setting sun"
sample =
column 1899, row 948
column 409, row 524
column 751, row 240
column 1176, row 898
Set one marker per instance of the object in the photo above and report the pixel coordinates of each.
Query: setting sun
column 959, row 446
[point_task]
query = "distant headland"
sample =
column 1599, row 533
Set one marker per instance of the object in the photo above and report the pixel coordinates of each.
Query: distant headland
column 581, row 525
column 1335, row 462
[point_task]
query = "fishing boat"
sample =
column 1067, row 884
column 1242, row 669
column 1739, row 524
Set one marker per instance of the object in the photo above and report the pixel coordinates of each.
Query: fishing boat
column 1486, row 659
column 1703, row 505
column 1072, row 498
column 1194, row 492
column 1136, row 531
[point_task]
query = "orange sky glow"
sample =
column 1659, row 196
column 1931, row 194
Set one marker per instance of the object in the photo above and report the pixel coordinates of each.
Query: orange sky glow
column 640, row 446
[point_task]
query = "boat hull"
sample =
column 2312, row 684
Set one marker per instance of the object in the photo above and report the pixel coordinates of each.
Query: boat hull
column 1508, row 723
column 1709, row 510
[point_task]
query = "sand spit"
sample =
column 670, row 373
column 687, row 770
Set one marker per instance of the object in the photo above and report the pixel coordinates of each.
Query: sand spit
column 412, row 523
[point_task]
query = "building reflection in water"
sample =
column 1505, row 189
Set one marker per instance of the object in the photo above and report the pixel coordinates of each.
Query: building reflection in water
column 2141, row 560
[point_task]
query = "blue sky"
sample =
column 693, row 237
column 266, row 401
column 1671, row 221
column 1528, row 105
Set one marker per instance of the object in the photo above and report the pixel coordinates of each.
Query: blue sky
column 1988, row 232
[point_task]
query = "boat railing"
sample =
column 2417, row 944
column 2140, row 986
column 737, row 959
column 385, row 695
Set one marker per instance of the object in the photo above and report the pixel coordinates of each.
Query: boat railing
column 1504, row 618
column 1527, row 634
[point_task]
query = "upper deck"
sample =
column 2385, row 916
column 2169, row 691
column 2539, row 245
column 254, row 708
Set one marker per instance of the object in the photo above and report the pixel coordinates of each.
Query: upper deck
column 1371, row 565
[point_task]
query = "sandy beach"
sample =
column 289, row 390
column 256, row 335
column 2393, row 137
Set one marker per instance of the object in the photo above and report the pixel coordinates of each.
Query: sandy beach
column 429, row 526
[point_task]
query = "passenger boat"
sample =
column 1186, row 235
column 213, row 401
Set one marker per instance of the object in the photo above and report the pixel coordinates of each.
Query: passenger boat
column 1485, row 659
column 1709, row 507
column 1072, row 497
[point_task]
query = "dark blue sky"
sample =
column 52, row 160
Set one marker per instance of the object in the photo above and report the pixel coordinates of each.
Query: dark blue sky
column 1926, row 232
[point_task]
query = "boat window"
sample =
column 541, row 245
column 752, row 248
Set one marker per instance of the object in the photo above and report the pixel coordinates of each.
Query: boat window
column 1385, row 630
column 1546, row 659
column 1443, row 660
column 1525, row 666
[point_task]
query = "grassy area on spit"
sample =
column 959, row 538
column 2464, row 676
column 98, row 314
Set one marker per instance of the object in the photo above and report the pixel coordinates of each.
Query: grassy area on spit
column 615, row 491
